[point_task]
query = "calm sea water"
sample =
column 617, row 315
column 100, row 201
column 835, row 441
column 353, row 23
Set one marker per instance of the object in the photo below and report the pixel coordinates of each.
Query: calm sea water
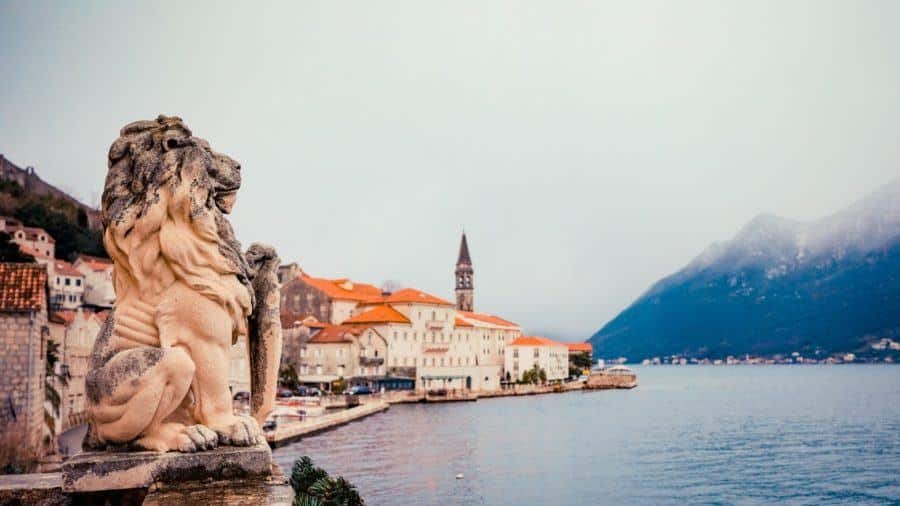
column 716, row 435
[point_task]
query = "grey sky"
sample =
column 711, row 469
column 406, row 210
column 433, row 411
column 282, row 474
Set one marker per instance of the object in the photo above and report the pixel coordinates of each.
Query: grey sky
column 588, row 148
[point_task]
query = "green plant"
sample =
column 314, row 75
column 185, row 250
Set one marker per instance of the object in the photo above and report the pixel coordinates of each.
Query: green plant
column 287, row 376
column 51, row 394
column 581, row 360
column 339, row 386
column 314, row 487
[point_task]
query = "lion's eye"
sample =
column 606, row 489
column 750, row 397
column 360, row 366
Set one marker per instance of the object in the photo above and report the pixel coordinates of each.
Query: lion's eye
column 171, row 143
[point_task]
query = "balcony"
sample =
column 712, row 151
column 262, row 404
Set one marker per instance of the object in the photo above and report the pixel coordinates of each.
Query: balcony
column 435, row 324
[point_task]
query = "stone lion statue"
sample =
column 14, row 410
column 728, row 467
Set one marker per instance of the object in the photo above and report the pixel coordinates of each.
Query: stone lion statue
column 184, row 295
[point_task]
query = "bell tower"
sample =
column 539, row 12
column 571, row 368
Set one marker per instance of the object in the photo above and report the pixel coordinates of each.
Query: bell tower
column 465, row 278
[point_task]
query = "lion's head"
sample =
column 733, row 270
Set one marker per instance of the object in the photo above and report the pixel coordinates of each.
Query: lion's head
column 164, row 203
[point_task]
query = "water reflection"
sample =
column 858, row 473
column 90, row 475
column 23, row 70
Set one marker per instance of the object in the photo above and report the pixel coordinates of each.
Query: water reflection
column 801, row 435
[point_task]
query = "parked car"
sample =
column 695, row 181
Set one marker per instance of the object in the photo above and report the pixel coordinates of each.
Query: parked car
column 307, row 392
column 284, row 393
column 242, row 396
column 360, row 390
column 269, row 425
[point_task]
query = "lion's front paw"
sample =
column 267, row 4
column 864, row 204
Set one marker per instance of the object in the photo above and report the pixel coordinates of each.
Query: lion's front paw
column 196, row 438
column 244, row 431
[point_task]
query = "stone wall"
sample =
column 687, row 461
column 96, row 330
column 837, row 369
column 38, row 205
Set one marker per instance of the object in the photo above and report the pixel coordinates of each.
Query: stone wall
column 22, row 348
column 294, row 339
column 299, row 300
column 28, row 179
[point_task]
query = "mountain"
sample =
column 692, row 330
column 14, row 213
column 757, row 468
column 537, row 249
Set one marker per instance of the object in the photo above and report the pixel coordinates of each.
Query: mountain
column 778, row 286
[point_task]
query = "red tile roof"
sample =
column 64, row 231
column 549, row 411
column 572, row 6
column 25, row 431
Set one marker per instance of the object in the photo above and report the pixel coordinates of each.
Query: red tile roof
column 487, row 318
column 580, row 347
column 23, row 287
column 534, row 341
column 413, row 296
column 344, row 289
column 64, row 268
column 96, row 264
column 462, row 323
column 379, row 314
column 333, row 334
column 66, row 317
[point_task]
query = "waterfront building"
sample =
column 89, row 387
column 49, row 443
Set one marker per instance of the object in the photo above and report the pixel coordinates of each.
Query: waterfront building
column 75, row 331
column 239, row 369
column 526, row 352
column 328, row 300
column 31, row 240
column 493, row 334
column 426, row 338
column 98, row 280
column 23, row 336
column 66, row 285
column 342, row 351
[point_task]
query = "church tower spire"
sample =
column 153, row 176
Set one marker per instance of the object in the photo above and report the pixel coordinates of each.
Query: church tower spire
column 465, row 278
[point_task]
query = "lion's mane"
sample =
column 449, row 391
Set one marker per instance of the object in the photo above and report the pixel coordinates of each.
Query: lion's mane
column 161, row 221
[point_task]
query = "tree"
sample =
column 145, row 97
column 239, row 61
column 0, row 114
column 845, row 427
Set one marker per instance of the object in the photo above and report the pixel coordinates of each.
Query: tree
column 51, row 394
column 287, row 376
column 10, row 252
column 314, row 487
column 581, row 360
column 339, row 385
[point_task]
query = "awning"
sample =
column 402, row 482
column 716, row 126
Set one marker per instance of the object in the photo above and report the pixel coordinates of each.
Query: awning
column 326, row 378
column 444, row 377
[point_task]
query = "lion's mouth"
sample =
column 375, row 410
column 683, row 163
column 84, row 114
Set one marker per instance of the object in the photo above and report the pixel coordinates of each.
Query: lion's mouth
column 225, row 200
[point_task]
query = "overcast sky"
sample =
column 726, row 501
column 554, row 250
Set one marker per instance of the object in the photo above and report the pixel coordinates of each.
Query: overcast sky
column 587, row 148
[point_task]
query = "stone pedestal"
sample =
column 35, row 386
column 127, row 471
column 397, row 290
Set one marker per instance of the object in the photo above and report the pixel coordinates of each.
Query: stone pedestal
column 100, row 471
column 226, row 475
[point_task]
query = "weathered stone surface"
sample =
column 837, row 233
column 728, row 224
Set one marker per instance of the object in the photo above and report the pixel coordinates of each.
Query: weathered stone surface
column 160, row 368
column 101, row 471
column 272, row 491
column 41, row 489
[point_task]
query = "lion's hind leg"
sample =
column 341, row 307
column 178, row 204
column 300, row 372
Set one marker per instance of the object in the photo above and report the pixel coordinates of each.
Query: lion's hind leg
column 135, row 392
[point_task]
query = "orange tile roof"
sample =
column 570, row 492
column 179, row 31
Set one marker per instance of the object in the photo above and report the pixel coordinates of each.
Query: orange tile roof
column 534, row 341
column 66, row 269
column 66, row 317
column 487, row 318
column 96, row 264
column 344, row 289
column 580, row 347
column 334, row 334
column 379, row 314
column 462, row 323
column 22, row 286
column 413, row 296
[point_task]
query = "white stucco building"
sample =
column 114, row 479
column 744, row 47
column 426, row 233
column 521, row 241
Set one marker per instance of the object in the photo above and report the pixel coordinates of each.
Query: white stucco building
column 98, row 281
column 526, row 352
column 66, row 285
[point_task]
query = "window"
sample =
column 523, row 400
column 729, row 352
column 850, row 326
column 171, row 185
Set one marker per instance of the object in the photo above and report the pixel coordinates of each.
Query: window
column 319, row 370
column 57, row 280
column 68, row 281
column 77, row 282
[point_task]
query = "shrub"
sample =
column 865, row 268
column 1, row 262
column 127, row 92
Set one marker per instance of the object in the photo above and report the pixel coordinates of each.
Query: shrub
column 314, row 487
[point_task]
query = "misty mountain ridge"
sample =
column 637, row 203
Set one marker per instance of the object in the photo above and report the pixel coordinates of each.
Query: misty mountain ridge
column 765, row 290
